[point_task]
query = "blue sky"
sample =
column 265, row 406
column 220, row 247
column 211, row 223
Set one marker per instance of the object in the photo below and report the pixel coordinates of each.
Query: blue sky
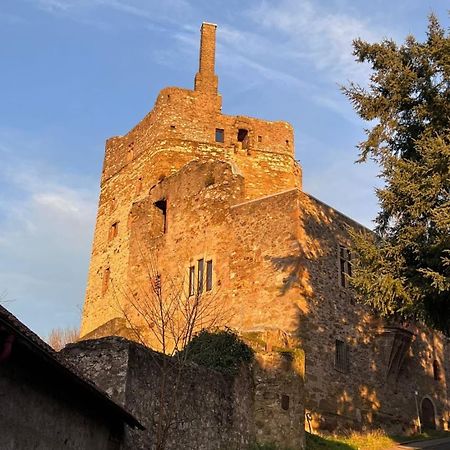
column 75, row 72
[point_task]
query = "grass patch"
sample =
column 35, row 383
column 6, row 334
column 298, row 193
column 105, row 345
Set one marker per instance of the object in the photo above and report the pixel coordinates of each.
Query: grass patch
column 373, row 440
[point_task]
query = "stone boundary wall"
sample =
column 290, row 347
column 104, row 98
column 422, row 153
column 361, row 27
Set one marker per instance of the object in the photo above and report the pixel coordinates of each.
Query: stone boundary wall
column 211, row 411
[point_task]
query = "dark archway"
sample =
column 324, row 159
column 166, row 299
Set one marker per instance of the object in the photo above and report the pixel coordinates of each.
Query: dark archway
column 427, row 414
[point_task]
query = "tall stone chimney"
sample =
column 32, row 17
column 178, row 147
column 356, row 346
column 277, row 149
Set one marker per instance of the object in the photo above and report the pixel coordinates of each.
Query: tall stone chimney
column 205, row 79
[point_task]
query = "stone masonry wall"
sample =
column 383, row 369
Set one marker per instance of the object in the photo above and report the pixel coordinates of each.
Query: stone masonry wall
column 180, row 128
column 274, row 250
column 210, row 411
column 364, row 395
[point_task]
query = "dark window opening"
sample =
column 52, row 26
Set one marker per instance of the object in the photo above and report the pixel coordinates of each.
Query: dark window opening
column 220, row 135
column 345, row 266
column 162, row 206
column 200, row 270
column 342, row 361
column 259, row 138
column 287, row 142
column 209, row 275
column 191, row 281
column 172, row 127
column 242, row 136
column 285, row 402
column 436, row 371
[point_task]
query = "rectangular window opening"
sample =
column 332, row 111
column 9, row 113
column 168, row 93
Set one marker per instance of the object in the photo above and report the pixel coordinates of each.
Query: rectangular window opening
column 162, row 206
column 342, row 362
column 209, row 275
column 242, row 134
column 191, row 281
column 345, row 266
column 200, row 271
column 220, row 135
column 285, row 402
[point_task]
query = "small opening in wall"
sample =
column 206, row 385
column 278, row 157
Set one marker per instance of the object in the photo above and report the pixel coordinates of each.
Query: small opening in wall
column 161, row 205
column 285, row 402
column 200, row 273
column 345, row 265
column 242, row 135
column 436, row 371
column 287, row 142
column 113, row 231
column 209, row 275
column 341, row 357
column 172, row 127
column 259, row 138
column 191, row 280
column 220, row 135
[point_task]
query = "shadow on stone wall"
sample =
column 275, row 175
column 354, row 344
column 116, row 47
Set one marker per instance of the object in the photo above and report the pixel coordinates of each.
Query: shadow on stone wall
column 371, row 380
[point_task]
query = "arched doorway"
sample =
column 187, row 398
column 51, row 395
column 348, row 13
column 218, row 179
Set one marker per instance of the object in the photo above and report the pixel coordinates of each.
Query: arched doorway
column 427, row 414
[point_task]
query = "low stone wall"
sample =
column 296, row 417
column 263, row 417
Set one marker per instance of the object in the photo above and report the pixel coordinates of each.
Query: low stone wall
column 194, row 407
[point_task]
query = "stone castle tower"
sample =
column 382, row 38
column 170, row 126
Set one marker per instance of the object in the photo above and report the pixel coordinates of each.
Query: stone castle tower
column 184, row 126
column 215, row 203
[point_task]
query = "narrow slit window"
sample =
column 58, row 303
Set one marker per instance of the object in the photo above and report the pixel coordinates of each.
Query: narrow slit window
column 220, row 135
column 209, row 275
column 345, row 266
column 342, row 360
column 285, row 402
column 436, row 371
column 259, row 138
column 113, row 230
column 162, row 206
column 200, row 271
column 191, row 280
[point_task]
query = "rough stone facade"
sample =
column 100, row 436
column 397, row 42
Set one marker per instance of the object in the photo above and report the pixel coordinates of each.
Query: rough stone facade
column 231, row 192
column 210, row 411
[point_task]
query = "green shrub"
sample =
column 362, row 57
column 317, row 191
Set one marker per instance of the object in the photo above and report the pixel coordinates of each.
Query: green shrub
column 221, row 350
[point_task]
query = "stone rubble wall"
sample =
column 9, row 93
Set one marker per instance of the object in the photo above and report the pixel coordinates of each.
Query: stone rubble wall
column 210, row 411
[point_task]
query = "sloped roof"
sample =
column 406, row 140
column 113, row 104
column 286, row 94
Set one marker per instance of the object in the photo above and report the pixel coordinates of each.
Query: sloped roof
column 33, row 343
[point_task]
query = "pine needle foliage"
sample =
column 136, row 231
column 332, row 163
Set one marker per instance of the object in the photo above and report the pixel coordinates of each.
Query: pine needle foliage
column 403, row 269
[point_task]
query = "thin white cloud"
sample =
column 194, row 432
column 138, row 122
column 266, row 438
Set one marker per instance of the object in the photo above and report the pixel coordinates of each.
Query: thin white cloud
column 151, row 10
column 318, row 36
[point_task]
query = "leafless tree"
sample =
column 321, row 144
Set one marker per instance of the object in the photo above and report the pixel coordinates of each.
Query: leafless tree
column 165, row 312
column 60, row 337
